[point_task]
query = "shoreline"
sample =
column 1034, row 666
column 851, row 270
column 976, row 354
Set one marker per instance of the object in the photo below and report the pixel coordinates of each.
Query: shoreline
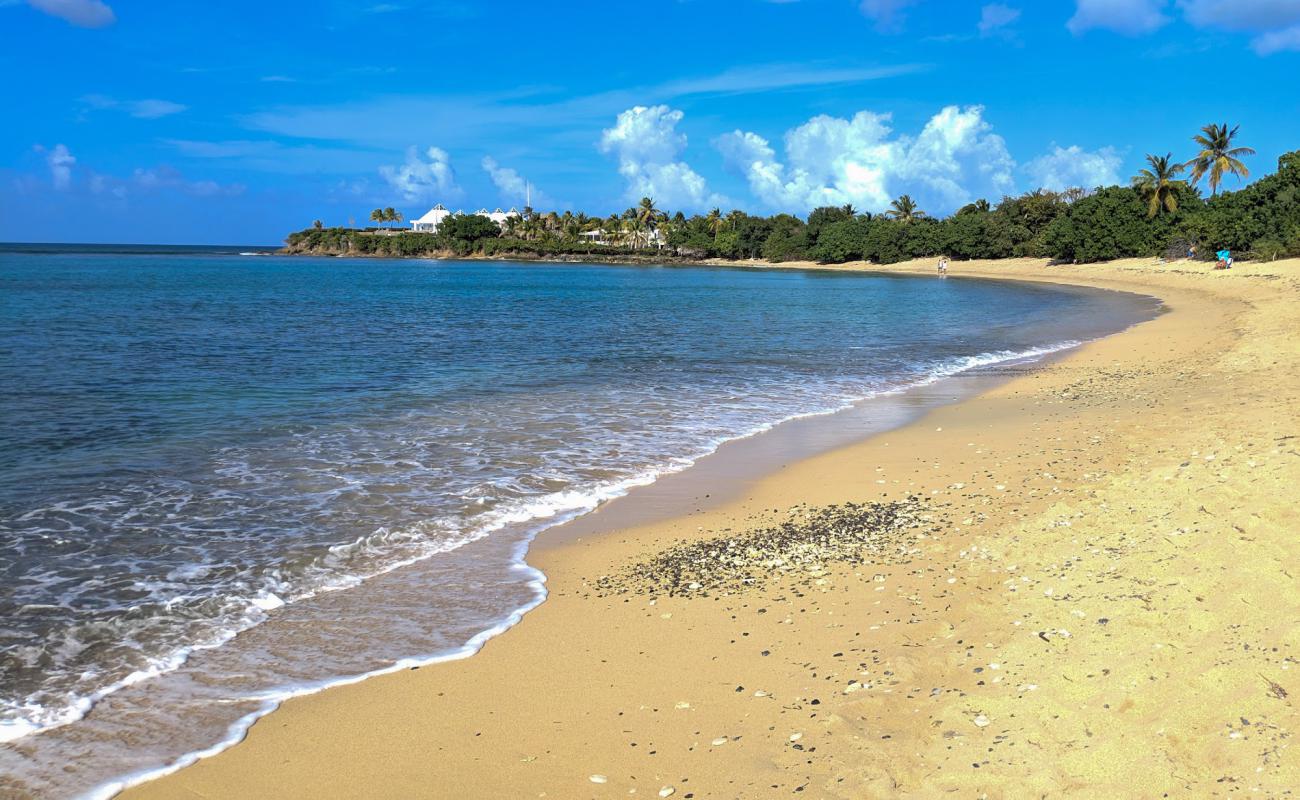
column 569, row 565
column 670, row 494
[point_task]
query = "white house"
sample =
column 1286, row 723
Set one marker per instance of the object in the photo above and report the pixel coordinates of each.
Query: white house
column 500, row 217
column 430, row 221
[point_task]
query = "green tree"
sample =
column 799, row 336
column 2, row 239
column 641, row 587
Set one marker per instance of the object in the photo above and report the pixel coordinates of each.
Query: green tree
column 1218, row 156
column 716, row 222
column 646, row 213
column 468, row 228
column 317, row 224
column 377, row 216
column 821, row 218
column 1158, row 184
column 904, row 209
column 788, row 240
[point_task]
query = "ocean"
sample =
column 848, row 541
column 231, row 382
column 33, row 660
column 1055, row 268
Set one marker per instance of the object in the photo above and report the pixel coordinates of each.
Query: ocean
column 228, row 479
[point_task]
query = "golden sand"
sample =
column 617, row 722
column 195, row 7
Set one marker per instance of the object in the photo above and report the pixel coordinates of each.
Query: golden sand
column 1109, row 610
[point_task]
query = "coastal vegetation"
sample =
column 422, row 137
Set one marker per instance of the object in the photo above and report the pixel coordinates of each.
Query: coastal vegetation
column 1158, row 214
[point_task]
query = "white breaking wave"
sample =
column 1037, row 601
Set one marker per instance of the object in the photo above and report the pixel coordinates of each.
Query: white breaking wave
column 552, row 509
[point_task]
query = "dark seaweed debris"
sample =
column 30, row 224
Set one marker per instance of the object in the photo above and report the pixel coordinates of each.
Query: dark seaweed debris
column 801, row 545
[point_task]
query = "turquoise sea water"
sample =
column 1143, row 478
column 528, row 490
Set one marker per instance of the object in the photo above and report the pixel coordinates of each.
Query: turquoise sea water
column 198, row 445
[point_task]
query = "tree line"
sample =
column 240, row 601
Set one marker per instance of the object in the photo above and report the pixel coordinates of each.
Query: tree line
column 1158, row 214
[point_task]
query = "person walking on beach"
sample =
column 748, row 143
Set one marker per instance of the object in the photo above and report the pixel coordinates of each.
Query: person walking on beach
column 943, row 266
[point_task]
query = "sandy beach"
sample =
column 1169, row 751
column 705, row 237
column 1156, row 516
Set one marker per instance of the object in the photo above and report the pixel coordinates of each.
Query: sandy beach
column 1084, row 586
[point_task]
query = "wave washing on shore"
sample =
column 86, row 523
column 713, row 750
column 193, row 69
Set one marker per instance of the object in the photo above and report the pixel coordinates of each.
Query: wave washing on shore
column 207, row 446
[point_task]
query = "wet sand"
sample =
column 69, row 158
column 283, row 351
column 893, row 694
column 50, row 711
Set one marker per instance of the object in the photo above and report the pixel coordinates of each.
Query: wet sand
column 1091, row 593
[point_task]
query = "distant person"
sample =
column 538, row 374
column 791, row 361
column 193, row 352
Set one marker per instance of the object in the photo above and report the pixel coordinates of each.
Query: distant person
column 1225, row 259
column 1191, row 252
column 943, row 266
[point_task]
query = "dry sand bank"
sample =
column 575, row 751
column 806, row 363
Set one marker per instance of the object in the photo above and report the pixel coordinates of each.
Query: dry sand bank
column 1102, row 604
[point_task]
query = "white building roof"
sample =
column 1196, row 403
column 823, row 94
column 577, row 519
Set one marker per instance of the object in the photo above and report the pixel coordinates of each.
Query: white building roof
column 433, row 215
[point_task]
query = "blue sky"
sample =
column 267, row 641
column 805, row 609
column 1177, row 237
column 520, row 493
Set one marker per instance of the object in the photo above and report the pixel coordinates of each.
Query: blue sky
column 236, row 122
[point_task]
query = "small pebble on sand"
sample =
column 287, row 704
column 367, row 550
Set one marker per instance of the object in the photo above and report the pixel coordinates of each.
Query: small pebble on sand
column 718, row 742
column 981, row 721
column 667, row 791
column 598, row 779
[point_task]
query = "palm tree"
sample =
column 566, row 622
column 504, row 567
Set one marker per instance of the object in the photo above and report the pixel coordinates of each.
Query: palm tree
column 392, row 215
column 734, row 217
column 377, row 215
column 1218, row 156
column 1158, row 185
column 632, row 231
column 981, row 205
column 612, row 227
column 904, row 209
column 646, row 213
column 666, row 227
column 317, row 224
column 848, row 208
column 715, row 222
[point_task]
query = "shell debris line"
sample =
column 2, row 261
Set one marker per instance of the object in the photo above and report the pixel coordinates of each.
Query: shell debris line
column 800, row 546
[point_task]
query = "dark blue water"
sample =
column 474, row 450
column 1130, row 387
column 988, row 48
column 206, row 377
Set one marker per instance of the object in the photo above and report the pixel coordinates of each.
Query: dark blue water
column 195, row 443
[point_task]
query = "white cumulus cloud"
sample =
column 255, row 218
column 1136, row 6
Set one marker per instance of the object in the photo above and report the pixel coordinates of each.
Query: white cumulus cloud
column 647, row 144
column 82, row 13
column 1064, row 167
column 60, row 161
column 1127, row 17
column 514, row 187
column 834, row 161
column 423, row 177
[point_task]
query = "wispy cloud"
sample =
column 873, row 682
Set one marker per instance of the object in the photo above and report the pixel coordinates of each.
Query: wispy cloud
column 1275, row 23
column 468, row 119
column 774, row 77
column 265, row 155
column 887, row 14
column 140, row 109
column 995, row 19
column 82, row 13
column 165, row 177
column 1127, row 17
